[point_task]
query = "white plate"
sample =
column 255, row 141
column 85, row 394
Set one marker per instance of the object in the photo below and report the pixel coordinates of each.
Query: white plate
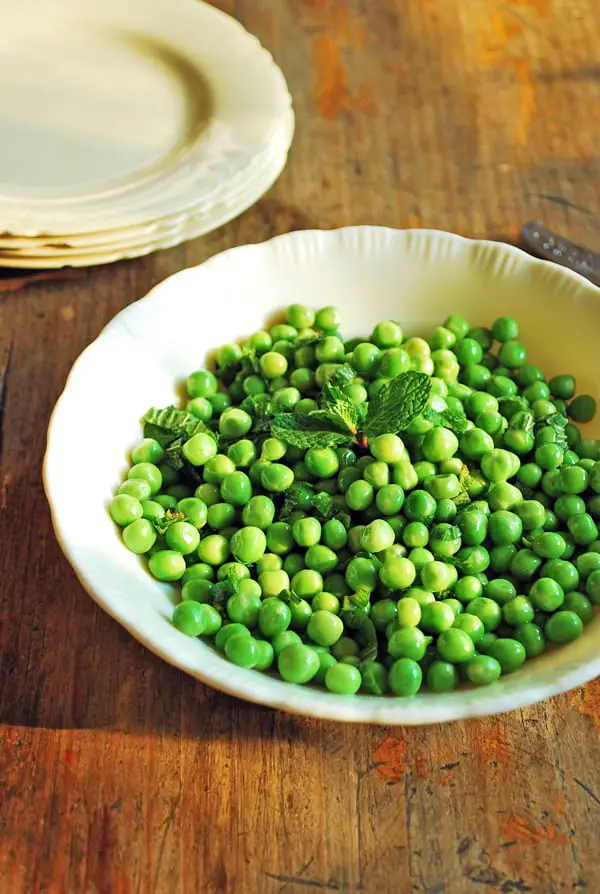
column 191, row 103
column 185, row 228
column 156, row 229
column 371, row 273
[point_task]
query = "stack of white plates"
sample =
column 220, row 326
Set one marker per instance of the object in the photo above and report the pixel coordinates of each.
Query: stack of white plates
column 129, row 126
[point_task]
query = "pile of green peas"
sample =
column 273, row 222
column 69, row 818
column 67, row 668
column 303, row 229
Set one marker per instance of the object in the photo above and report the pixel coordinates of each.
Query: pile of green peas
column 477, row 548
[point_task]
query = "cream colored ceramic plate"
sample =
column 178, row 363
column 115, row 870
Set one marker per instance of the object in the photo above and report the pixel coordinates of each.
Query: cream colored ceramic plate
column 191, row 105
column 112, row 240
column 184, row 228
column 371, row 273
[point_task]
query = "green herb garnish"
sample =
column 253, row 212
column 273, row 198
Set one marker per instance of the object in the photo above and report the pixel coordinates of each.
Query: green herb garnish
column 167, row 424
column 162, row 525
column 340, row 421
column 456, row 422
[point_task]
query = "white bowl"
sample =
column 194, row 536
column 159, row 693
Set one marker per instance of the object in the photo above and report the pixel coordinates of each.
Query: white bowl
column 371, row 273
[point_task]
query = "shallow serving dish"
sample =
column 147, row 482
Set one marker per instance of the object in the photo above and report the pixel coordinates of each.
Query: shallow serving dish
column 371, row 273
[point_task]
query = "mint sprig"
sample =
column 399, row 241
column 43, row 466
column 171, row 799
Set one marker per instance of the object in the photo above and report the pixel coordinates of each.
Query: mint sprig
column 305, row 498
column 340, row 421
column 396, row 404
column 456, row 422
column 170, row 423
column 301, row 430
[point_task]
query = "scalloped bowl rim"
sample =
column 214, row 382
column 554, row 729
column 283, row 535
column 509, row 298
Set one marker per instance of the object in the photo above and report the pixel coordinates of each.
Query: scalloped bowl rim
column 523, row 688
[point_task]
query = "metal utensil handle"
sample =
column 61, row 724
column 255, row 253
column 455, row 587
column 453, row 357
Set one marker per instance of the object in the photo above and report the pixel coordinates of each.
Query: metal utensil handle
column 546, row 244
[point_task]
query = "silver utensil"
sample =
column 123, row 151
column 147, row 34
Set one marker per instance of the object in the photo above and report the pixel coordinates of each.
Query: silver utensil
column 548, row 245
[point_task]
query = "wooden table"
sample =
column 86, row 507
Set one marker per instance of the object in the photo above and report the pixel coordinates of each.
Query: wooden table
column 122, row 776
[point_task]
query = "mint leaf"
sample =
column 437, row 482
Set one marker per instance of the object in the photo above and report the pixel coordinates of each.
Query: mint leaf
column 557, row 422
column 247, row 363
column 355, row 613
column 303, row 496
column 356, row 604
column 528, row 492
column 303, row 431
column 345, row 518
column 162, row 525
column 173, row 454
column 522, row 420
column 336, row 406
column 508, row 406
column 464, row 478
column 289, row 597
column 250, row 361
column 396, row 404
column 456, row 422
column 172, row 428
column 222, row 591
column 298, row 497
column 259, row 406
column 343, row 375
column 342, row 417
column 322, row 503
column 169, row 423
column 311, row 338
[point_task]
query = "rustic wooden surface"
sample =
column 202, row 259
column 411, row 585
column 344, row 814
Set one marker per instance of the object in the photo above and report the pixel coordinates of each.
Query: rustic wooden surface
column 121, row 775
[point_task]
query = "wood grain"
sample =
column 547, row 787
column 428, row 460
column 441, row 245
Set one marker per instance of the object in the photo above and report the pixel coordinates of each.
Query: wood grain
column 122, row 776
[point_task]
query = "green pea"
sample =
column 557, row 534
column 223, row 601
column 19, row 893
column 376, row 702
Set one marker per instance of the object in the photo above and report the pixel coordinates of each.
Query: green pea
column 483, row 670
column 297, row 663
column 273, row 582
column 509, row 653
column 197, row 590
column 583, row 529
column 563, row 627
column 320, row 558
column 325, row 628
column 139, row 536
column 213, row 549
column 582, row 408
column 125, row 509
column 344, row 648
column 280, row 539
column 407, row 642
column 242, row 650
column 580, row 604
column 343, row 679
column 189, row 618
column 276, row 478
column 198, row 571
column 405, row 677
column 436, row 617
column 287, row 638
column 166, row 565
column 546, row 594
column 455, row 646
column 488, row 612
column 442, row 676
column 467, row 588
column 307, row 583
column 199, row 449
column 471, row 625
column 183, row 537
